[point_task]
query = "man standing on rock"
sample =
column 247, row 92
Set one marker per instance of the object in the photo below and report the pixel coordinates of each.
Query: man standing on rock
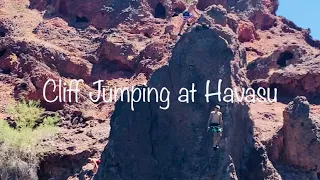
column 215, row 125
column 189, row 15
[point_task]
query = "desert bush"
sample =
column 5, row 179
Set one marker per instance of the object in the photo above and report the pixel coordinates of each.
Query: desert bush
column 19, row 155
column 16, row 164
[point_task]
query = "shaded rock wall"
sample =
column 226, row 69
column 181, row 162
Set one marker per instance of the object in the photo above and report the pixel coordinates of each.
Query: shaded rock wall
column 301, row 136
column 150, row 143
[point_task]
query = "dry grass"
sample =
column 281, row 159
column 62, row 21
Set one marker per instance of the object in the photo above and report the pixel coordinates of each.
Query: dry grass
column 17, row 164
column 13, row 59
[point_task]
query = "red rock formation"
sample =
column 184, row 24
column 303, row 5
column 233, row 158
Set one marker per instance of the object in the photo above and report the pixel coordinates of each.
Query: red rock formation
column 127, row 42
column 301, row 136
column 263, row 20
column 184, row 139
column 289, row 69
column 116, row 47
column 247, row 32
column 271, row 5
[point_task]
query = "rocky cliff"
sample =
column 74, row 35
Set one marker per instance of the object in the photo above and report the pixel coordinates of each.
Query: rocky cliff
column 134, row 43
column 301, row 135
column 174, row 144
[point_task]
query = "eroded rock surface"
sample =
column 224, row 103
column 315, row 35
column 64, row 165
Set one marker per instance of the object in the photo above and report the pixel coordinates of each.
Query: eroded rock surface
column 173, row 144
column 127, row 42
column 301, row 135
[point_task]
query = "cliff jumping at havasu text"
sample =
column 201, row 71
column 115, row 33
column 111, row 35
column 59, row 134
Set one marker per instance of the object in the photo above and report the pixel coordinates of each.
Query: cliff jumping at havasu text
column 70, row 93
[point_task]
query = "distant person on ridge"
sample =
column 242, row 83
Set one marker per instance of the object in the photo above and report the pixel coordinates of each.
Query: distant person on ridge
column 215, row 125
column 189, row 15
column 95, row 163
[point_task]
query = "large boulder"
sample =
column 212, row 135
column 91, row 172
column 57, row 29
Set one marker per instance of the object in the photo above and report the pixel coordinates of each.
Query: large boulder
column 247, row 32
column 301, row 135
column 116, row 47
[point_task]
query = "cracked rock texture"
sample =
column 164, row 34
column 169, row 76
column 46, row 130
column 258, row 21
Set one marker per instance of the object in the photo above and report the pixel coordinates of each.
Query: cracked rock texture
column 150, row 143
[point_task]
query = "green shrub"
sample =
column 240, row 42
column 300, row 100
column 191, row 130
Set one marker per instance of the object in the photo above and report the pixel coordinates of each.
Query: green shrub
column 27, row 114
column 18, row 146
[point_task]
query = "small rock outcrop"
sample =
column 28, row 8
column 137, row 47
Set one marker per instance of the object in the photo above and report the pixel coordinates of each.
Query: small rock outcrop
column 301, row 136
column 247, row 32
column 293, row 69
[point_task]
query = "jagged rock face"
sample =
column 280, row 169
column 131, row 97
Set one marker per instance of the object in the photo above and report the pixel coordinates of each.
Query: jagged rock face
column 271, row 5
column 123, row 42
column 109, row 13
column 101, row 13
column 219, row 14
column 301, row 135
column 247, row 32
column 292, row 69
column 263, row 20
column 117, row 48
column 150, row 143
column 259, row 164
column 242, row 8
column 23, row 60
